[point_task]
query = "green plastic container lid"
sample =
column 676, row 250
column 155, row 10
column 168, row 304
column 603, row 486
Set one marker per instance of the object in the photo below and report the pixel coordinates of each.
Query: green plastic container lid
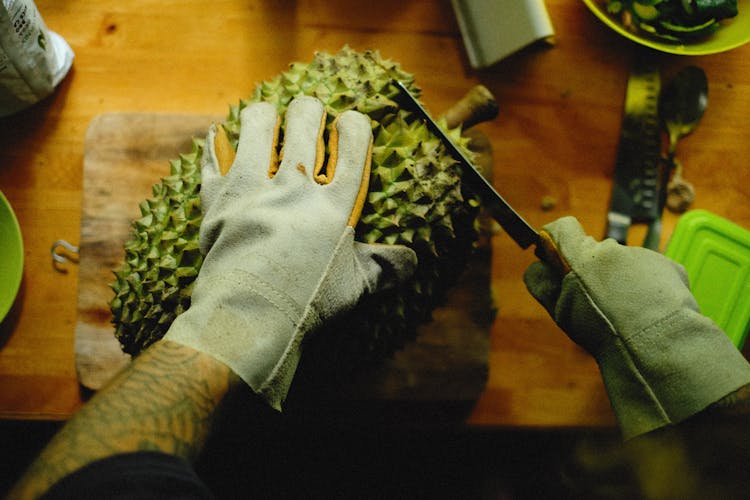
column 716, row 254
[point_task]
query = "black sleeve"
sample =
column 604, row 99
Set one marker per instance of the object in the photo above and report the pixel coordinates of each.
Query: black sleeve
column 141, row 475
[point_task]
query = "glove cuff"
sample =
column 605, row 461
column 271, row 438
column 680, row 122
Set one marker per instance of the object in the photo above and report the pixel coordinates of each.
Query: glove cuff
column 249, row 326
column 670, row 371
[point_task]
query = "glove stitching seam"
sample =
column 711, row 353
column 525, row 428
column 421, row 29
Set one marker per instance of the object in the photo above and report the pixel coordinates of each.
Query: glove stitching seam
column 281, row 301
column 658, row 323
column 631, row 358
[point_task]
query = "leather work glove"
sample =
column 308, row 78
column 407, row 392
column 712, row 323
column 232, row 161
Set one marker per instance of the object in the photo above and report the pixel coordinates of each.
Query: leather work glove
column 280, row 256
column 631, row 308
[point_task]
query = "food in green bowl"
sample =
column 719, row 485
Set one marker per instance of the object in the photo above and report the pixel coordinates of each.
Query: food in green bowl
column 673, row 20
column 686, row 27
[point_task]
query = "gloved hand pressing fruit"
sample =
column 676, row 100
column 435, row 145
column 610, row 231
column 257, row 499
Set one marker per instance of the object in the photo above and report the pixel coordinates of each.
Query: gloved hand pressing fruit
column 278, row 239
column 631, row 308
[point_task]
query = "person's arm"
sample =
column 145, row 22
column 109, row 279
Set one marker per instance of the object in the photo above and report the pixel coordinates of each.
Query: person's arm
column 280, row 259
column 704, row 456
column 661, row 360
column 679, row 388
column 163, row 401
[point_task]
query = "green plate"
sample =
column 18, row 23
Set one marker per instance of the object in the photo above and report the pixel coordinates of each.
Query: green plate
column 731, row 34
column 716, row 254
column 11, row 257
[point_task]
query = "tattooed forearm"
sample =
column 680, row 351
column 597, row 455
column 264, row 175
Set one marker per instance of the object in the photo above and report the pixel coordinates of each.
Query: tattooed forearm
column 163, row 401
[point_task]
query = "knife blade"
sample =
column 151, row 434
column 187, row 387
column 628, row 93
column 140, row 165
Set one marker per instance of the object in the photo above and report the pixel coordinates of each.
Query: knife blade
column 635, row 190
column 511, row 221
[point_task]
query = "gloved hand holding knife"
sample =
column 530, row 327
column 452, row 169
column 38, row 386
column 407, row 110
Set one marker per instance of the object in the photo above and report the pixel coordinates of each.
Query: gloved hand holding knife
column 629, row 307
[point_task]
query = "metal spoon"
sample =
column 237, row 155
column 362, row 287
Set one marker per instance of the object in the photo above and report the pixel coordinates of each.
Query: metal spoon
column 681, row 106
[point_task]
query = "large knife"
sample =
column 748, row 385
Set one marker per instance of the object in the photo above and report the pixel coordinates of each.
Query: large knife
column 635, row 190
column 511, row 221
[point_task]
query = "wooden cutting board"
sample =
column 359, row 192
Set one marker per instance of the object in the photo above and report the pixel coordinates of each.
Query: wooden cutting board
column 126, row 153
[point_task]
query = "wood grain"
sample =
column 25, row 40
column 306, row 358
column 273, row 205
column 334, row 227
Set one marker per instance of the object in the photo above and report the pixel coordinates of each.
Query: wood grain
column 556, row 136
column 124, row 155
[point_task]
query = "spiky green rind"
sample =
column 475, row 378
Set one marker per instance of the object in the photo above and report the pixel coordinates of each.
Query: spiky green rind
column 414, row 199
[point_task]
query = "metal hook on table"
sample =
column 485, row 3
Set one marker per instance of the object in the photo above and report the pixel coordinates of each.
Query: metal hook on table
column 67, row 246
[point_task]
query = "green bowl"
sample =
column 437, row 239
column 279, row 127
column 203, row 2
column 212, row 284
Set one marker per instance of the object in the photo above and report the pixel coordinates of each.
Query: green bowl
column 731, row 34
column 11, row 257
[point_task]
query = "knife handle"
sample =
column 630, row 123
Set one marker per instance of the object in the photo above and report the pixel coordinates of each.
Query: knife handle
column 547, row 251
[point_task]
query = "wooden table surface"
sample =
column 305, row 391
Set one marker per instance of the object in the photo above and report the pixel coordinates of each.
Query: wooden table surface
column 556, row 136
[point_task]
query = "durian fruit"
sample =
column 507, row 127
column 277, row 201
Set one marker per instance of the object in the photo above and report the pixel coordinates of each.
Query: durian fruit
column 415, row 198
